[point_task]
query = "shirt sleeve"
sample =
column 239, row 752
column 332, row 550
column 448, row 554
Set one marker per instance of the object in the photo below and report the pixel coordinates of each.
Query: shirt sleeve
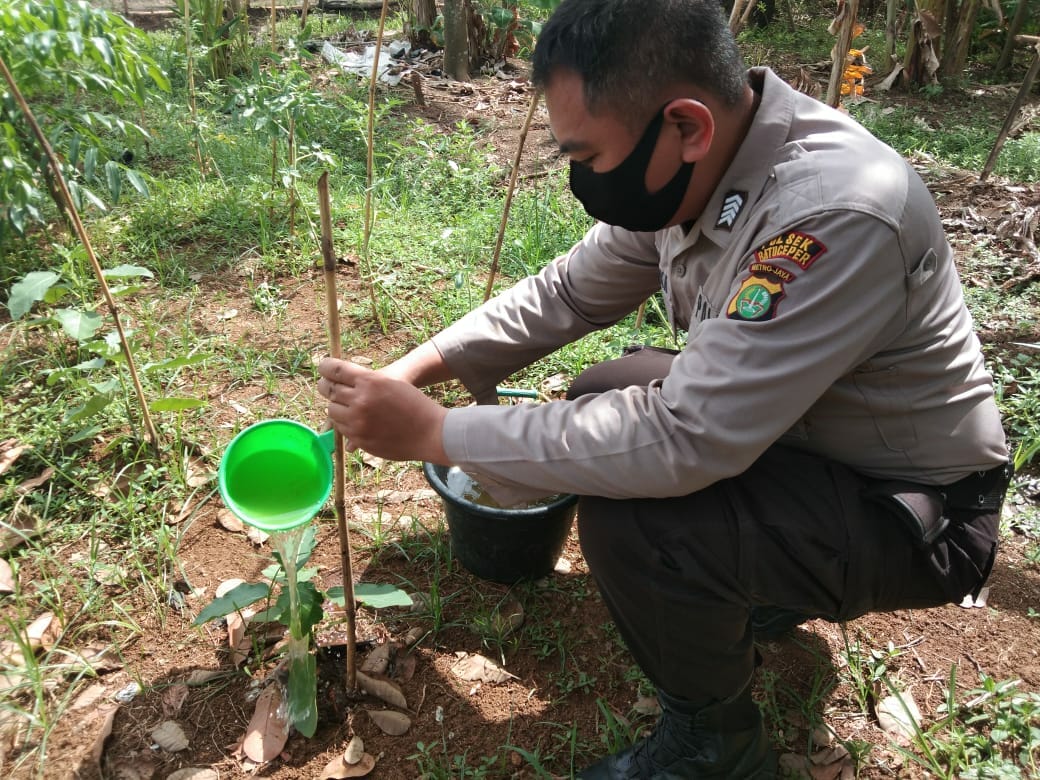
column 733, row 391
column 602, row 279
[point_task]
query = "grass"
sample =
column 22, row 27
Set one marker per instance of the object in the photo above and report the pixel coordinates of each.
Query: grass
column 106, row 507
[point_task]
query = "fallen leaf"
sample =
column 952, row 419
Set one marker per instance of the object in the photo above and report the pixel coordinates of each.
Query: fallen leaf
column 355, row 750
column 507, row 618
column 7, row 582
column 10, row 451
column 337, row 768
column 90, row 696
column 238, row 642
column 31, row 484
column 268, row 729
column 382, row 689
column 127, row 693
column 647, row 705
column 898, row 714
column 227, row 520
column 378, row 661
column 256, row 536
column 132, row 769
column 107, row 714
column 202, row 676
column 475, row 667
column 170, row 736
column 228, row 314
column 404, row 667
column 43, row 632
column 393, row 723
column 194, row 773
column 400, row 496
column 563, row 566
column 173, row 699
column 22, row 525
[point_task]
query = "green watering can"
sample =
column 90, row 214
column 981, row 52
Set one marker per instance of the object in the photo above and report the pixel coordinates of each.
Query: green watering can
column 276, row 474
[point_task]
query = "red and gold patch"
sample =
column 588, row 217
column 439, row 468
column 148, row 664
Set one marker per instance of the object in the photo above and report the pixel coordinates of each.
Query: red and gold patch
column 800, row 248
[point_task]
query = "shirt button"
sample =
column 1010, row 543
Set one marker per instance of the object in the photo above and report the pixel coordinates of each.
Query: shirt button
column 680, row 270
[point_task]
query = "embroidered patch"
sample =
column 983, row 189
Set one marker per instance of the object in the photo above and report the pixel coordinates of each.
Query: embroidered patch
column 800, row 248
column 732, row 205
column 781, row 274
column 756, row 300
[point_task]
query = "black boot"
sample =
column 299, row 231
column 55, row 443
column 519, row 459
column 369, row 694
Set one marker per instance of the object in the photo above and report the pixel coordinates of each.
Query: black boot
column 721, row 740
column 774, row 622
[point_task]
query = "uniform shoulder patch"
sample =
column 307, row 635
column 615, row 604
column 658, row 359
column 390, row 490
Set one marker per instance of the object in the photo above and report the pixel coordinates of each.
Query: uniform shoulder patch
column 757, row 298
column 800, row 248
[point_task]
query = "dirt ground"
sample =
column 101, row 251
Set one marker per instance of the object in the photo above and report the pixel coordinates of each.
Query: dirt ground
column 552, row 691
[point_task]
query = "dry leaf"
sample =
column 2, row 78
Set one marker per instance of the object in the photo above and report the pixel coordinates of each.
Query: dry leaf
column 170, row 736
column 10, row 451
column 107, row 713
column 227, row 519
column 238, row 641
column 92, row 695
column 202, row 676
column 268, row 729
column 507, row 618
column 256, row 536
column 194, row 773
column 898, row 714
column 31, row 484
column 355, row 750
column 7, row 582
column 647, row 705
column 404, row 668
column 132, row 769
column 337, row 768
column 382, row 689
column 23, row 524
column 475, row 667
column 400, row 496
column 563, row 566
column 43, row 632
column 393, row 723
column 173, row 699
column 378, row 661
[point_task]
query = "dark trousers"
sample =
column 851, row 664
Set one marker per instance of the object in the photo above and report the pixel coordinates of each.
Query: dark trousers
column 680, row 575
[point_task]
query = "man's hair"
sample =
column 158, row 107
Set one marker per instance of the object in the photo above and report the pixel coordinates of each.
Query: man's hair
column 627, row 51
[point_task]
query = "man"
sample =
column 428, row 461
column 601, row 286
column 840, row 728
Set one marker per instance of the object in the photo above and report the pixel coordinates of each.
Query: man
column 827, row 442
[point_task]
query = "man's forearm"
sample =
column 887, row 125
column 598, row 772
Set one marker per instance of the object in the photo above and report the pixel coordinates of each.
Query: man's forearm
column 423, row 366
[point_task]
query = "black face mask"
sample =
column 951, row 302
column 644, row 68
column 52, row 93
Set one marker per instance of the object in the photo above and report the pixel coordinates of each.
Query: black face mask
column 619, row 196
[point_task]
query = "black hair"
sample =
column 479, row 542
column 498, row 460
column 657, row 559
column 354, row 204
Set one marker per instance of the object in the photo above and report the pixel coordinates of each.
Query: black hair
column 627, row 51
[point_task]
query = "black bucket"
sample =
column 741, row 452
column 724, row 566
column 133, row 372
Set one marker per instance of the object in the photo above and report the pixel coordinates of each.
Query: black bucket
column 504, row 545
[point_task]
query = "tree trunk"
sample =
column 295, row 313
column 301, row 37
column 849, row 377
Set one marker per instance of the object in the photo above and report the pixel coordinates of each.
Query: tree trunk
column 924, row 43
column 958, row 39
column 421, row 15
column 842, row 27
column 891, row 7
column 456, row 39
column 1019, row 19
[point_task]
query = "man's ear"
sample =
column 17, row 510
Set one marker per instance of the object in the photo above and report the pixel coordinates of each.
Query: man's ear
column 696, row 124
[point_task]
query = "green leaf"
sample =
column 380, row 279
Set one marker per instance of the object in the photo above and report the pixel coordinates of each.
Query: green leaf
column 30, row 289
column 175, row 363
column 83, row 433
column 376, row 595
column 138, row 181
column 237, row 598
column 93, row 405
column 79, row 325
column 114, row 180
column 176, row 404
column 126, row 271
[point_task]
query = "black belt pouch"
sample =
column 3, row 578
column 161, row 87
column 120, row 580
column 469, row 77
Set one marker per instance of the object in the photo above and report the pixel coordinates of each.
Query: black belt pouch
column 956, row 528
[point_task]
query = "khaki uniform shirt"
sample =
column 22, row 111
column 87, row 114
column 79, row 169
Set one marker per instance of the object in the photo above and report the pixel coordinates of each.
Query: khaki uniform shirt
column 824, row 311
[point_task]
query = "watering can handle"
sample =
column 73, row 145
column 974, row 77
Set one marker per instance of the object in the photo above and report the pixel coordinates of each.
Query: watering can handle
column 326, row 439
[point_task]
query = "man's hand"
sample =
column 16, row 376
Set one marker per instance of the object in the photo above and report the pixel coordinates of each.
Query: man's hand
column 381, row 415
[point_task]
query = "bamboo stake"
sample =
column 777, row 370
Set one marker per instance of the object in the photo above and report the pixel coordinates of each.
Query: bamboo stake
column 370, row 167
column 840, row 52
column 339, row 454
column 193, row 109
column 509, row 196
column 77, row 224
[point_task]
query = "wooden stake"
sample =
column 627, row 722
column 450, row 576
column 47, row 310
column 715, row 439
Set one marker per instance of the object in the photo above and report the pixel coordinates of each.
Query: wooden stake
column 509, row 196
column 1009, row 121
column 339, row 454
column 850, row 9
column 70, row 207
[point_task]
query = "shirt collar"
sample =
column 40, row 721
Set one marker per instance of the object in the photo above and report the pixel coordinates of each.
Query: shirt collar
column 744, row 179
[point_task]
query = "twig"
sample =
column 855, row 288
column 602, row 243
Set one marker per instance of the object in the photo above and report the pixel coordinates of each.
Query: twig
column 339, row 455
column 77, row 224
column 1009, row 120
column 509, row 196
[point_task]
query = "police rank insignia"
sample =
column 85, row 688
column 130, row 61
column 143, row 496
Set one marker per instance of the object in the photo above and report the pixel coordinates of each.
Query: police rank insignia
column 800, row 248
column 757, row 299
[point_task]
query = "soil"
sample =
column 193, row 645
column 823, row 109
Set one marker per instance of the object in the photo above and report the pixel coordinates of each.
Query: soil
column 565, row 656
